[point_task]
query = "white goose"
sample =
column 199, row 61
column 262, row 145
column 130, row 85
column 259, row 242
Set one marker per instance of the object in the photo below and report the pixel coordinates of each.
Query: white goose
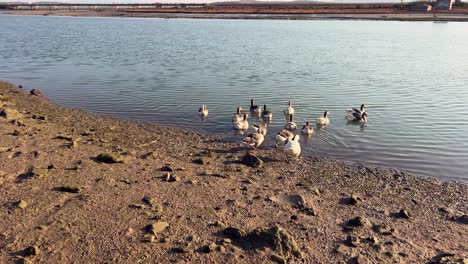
column 307, row 129
column 293, row 147
column 253, row 140
column 290, row 125
column 203, row 111
column 323, row 120
column 238, row 115
column 266, row 114
column 290, row 110
column 242, row 124
column 260, row 128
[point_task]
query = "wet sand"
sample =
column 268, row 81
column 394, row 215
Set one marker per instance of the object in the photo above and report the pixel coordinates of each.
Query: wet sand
column 377, row 14
column 164, row 195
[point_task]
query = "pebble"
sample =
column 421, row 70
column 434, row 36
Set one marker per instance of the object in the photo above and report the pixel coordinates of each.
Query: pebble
column 20, row 204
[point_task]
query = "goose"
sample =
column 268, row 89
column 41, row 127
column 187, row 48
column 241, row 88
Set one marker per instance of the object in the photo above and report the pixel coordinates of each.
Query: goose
column 242, row 124
column 254, row 108
column 260, row 128
column 283, row 136
column 238, row 115
column 293, row 147
column 355, row 110
column 253, row 140
column 307, row 129
column 290, row 109
column 357, row 117
column 266, row 114
column 203, row 111
column 323, row 120
column 290, row 125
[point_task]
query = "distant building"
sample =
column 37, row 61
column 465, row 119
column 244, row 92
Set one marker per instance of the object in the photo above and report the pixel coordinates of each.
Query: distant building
column 444, row 5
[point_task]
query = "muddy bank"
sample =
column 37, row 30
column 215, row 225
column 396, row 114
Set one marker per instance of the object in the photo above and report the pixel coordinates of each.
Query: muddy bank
column 246, row 14
column 78, row 187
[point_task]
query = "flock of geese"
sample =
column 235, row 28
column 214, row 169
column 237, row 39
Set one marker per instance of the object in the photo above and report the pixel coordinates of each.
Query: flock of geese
column 287, row 136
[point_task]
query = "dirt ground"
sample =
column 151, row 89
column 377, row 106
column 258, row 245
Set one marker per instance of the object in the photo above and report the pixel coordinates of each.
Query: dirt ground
column 76, row 187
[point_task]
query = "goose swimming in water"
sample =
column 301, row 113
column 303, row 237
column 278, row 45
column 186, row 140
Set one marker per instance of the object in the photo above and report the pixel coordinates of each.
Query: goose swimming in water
column 203, row 111
column 323, row 120
column 266, row 114
column 260, row 128
column 254, row 108
column 238, row 115
column 242, row 124
column 289, row 110
column 293, row 147
column 355, row 110
column 357, row 117
column 290, row 125
column 307, row 129
column 253, row 140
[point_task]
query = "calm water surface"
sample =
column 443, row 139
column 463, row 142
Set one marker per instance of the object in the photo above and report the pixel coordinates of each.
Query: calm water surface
column 412, row 75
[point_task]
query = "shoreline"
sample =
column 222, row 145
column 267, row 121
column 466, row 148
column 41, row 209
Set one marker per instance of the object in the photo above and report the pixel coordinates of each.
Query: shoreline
column 417, row 17
column 205, row 203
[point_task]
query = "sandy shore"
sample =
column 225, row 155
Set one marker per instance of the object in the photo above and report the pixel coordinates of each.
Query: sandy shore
column 164, row 195
column 244, row 14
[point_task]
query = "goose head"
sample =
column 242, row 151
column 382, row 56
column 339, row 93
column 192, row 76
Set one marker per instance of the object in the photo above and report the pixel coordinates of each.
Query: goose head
column 362, row 107
column 364, row 117
column 325, row 114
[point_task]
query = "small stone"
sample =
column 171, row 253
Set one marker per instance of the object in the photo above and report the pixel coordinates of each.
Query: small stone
column 201, row 161
column 39, row 172
column 383, row 229
column 40, row 117
column 309, row 211
column 278, row 259
column 167, row 168
column 108, row 158
column 404, row 214
column 221, row 249
column 136, row 206
column 157, row 227
column 23, row 261
column 462, row 219
column 20, row 204
column 316, row 191
column 293, row 200
column 32, row 251
column 69, row 189
column 17, row 133
column 149, row 238
column 251, row 161
column 11, row 114
column 148, row 155
column 354, row 199
column 35, row 92
column 342, row 249
column 234, row 233
column 149, row 200
column 170, row 178
column 73, row 144
column 357, row 222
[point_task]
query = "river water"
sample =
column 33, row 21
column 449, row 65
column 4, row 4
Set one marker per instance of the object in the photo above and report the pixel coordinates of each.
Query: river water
column 413, row 76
